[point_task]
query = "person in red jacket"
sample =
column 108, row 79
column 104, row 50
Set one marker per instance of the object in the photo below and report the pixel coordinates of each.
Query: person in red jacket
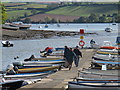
column 47, row 51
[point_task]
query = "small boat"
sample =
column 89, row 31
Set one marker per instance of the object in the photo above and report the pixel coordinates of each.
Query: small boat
column 93, row 84
column 34, row 66
column 21, row 25
column 28, row 75
column 109, row 50
column 107, row 53
column 113, row 23
column 106, row 57
column 44, row 62
column 110, row 73
column 108, row 29
column 47, row 59
column 38, row 69
column 7, row 44
column 106, row 62
column 96, row 79
column 97, row 64
column 109, row 47
column 12, row 84
column 59, row 49
column 46, row 26
column 14, row 70
column 7, row 26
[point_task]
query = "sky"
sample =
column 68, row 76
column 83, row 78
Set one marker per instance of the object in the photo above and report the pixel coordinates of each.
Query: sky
column 60, row 0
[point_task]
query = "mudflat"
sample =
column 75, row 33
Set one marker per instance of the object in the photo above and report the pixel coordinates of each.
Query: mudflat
column 6, row 34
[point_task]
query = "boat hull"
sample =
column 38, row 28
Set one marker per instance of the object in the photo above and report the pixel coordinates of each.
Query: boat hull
column 12, row 85
column 38, row 69
column 93, row 84
column 28, row 75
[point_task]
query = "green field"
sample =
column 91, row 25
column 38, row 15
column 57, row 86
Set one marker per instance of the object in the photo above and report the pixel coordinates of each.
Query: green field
column 29, row 6
column 85, row 10
column 17, row 13
column 13, row 8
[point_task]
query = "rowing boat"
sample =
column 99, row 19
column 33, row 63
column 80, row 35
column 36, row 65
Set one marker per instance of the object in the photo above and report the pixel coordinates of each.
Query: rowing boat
column 109, row 47
column 114, row 73
column 37, row 69
column 106, row 62
column 44, row 62
column 109, row 50
column 47, row 59
column 93, row 84
column 97, row 64
column 96, row 79
column 106, row 57
column 107, row 53
column 12, row 84
column 28, row 75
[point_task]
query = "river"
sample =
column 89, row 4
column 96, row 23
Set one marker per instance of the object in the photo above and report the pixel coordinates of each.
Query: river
column 25, row 48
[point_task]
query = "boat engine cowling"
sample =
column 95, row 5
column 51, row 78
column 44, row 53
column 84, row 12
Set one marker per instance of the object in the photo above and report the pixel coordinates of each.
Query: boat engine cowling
column 10, row 67
column 10, row 70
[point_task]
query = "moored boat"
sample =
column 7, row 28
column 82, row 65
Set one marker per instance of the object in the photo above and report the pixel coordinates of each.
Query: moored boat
column 37, row 69
column 108, row 29
column 12, row 84
column 93, row 84
column 96, row 79
column 98, row 64
column 108, row 50
column 21, row 25
column 7, row 44
column 28, row 75
column 106, row 57
column 107, row 53
column 7, row 26
column 109, row 47
column 44, row 62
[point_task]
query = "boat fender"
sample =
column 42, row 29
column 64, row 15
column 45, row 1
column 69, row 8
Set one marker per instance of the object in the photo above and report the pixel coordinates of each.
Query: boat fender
column 81, row 43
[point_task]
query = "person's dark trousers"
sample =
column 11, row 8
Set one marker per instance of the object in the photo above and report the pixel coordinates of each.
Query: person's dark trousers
column 77, row 60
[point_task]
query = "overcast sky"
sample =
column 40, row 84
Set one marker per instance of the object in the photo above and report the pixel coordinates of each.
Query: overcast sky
column 59, row 0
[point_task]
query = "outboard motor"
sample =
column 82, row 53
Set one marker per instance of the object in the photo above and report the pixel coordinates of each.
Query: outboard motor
column 29, row 59
column 10, row 70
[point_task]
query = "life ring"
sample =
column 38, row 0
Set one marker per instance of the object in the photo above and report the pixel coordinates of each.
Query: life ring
column 81, row 43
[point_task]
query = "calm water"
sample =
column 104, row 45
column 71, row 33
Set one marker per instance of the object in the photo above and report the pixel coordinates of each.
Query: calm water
column 75, row 27
column 25, row 48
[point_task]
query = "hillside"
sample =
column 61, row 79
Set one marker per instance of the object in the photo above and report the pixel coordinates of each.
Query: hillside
column 37, row 12
column 85, row 10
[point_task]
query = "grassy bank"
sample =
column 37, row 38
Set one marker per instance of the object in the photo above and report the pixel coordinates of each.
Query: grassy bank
column 23, row 10
column 85, row 10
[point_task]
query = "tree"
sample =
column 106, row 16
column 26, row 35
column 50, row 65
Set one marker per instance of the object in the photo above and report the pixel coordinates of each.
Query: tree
column 34, row 11
column 4, row 14
column 53, row 20
column 93, row 18
column 102, row 19
column 47, row 19
column 27, row 20
column 82, row 19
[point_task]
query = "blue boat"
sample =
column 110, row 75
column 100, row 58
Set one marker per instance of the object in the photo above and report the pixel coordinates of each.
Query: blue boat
column 28, row 75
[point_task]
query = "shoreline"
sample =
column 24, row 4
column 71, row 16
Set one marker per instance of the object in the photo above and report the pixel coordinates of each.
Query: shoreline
column 35, row 34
